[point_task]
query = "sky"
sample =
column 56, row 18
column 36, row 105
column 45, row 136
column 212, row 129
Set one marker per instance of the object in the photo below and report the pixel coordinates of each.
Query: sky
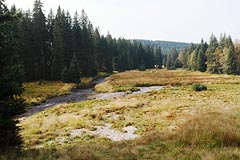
column 171, row 20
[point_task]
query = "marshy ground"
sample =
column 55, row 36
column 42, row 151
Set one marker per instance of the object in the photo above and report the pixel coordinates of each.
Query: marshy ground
column 174, row 122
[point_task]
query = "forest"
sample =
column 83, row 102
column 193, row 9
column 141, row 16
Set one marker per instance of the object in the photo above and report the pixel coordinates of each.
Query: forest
column 166, row 46
column 217, row 57
column 53, row 46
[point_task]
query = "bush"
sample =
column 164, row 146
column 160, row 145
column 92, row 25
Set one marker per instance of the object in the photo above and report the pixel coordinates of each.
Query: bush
column 199, row 87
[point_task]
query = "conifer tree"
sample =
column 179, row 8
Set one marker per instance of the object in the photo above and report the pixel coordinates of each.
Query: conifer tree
column 230, row 64
column 77, row 38
column 40, row 41
column 213, row 44
column 201, row 58
column 158, row 57
column 26, row 43
column 11, row 74
column 74, row 71
column 65, row 75
column 57, row 47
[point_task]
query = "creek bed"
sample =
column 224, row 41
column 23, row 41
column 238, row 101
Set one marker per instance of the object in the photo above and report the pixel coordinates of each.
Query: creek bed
column 79, row 95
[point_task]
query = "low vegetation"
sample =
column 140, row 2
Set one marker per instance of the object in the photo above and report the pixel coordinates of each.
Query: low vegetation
column 37, row 92
column 173, row 123
column 163, row 78
column 199, row 87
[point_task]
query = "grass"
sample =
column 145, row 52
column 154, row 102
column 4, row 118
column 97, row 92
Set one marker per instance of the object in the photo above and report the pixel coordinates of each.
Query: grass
column 163, row 78
column 173, row 123
column 37, row 92
column 125, row 88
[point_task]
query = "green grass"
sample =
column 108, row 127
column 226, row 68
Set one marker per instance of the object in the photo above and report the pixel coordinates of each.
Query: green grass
column 126, row 88
column 173, row 123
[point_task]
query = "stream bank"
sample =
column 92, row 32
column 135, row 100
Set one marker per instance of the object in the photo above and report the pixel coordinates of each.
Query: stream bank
column 79, row 95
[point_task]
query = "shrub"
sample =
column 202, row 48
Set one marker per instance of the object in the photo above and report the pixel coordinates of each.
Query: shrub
column 199, row 87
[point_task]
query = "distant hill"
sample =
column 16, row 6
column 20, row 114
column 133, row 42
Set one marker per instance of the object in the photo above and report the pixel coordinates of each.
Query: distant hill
column 166, row 46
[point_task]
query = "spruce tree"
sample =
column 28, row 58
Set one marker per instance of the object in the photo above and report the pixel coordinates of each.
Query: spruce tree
column 88, row 63
column 231, row 62
column 201, row 58
column 40, row 42
column 169, row 61
column 65, row 75
column 11, row 75
column 77, row 38
column 73, row 71
column 213, row 44
column 57, row 47
column 158, row 57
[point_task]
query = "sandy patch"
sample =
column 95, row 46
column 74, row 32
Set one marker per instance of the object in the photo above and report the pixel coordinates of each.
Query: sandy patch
column 108, row 132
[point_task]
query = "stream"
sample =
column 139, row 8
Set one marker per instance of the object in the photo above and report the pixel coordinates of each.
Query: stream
column 78, row 95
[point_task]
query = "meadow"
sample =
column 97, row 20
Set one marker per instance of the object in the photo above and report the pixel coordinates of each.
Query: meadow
column 175, row 122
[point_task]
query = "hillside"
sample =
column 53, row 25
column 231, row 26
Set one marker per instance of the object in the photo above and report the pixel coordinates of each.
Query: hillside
column 166, row 46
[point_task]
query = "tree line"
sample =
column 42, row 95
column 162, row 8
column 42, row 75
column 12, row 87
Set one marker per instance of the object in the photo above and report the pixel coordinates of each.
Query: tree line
column 217, row 57
column 166, row 46
column 59, row 47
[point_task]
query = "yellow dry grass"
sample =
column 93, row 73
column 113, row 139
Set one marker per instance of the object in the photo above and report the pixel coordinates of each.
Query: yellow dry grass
column 38, row 92
column 86, row 80
column 163, row 77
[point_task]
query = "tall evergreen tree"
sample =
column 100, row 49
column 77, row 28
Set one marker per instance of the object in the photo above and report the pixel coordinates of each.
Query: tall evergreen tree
column 158, row 57
column 231, row 62
column 171, row 59
column 201, row 58
column 40, row 42
column 25, row 48
column 77, row 38
column 71, row 74
column 88, row 66
column 213, row 44
column 11, row 74
column 57, row 47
